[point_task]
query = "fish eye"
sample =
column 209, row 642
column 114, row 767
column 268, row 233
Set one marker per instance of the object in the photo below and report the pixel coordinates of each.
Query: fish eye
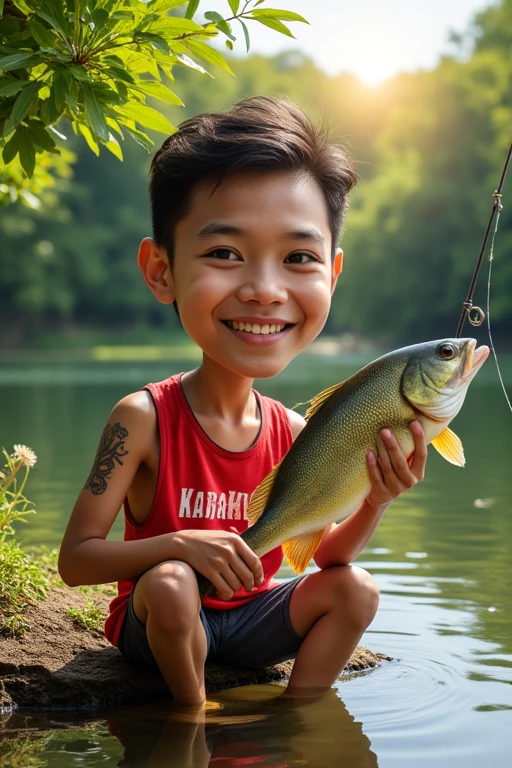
column 445, row 351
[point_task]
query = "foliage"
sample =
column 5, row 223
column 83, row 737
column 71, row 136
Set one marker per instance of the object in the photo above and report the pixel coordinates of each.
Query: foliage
column 430, row 147
column 89, row 617
column 97, row 62
column 22, row 579
column 13, row 504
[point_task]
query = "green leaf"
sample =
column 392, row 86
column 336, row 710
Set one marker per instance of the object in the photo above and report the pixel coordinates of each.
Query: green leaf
column 139, row 137
column 191, row 9
column 229, row 45
column 275, row 13
column 155, row 40
column 246, row 35
column 208, row 54
column 146, row 116
column 221, row 23
column 41, row 34
column 89, row 138
column 1, row 8
column 234, row 5
column 116, row 73
column 191, row 64
column 41, row 137
column 9, row 86
column 115, row 125
column 26, row 98
column 275, row 24
column 52, row 20
column 80, row 73
column 113, row 146
column 20, row 60
column 62, row 85
column 158, row 91
column 94, row 114
column 12, row 148
column 27, row 152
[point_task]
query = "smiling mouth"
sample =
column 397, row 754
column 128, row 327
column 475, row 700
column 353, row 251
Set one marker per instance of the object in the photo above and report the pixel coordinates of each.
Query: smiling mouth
column 258, row 329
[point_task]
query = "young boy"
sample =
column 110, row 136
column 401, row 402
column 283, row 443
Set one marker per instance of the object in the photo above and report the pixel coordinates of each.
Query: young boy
column 247, row 208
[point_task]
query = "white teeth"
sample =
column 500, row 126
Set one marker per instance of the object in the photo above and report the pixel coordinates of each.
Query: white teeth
column 255, row 328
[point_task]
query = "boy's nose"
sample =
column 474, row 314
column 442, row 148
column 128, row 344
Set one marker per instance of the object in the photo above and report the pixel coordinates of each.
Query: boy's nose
column 264, row 288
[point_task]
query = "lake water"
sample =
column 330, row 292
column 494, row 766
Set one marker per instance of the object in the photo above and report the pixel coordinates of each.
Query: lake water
column 441, row 558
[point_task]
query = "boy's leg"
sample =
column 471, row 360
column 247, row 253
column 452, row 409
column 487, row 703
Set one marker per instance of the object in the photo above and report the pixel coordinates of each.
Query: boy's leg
column 330, row 609
column 166, row 599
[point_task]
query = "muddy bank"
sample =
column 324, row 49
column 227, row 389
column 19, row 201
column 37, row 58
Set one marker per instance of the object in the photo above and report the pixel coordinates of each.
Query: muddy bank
column 58, row 664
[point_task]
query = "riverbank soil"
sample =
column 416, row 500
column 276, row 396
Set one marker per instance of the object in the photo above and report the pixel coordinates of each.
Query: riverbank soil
column 59, row 664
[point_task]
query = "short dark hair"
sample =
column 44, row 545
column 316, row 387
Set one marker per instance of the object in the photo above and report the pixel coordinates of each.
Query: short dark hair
column 259, row 133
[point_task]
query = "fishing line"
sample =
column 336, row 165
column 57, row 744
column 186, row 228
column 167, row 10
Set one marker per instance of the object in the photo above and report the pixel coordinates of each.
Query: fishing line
column 467, row 307
column 491, row 257
column 475, row 314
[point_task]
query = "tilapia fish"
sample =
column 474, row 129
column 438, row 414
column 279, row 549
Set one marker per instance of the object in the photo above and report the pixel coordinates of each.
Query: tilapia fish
column 324, row 477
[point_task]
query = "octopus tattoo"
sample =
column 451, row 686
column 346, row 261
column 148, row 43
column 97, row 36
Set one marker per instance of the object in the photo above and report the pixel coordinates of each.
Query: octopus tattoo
column 110, row 450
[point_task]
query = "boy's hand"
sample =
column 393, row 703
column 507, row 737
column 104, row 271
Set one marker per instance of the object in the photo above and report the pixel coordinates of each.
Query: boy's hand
column 222, row 557
column 390, row 472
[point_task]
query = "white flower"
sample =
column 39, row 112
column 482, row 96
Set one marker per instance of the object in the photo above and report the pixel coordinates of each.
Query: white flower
column 26, row 455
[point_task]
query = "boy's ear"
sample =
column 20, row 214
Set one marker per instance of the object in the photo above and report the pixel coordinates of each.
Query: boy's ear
column 337, row 266
column 154, row 265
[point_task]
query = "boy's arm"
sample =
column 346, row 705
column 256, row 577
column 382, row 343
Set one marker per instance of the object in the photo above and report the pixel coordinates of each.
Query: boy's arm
column 86, row 557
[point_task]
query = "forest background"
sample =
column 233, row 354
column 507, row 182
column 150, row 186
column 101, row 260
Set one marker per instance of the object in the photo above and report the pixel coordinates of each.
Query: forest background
column 429, row 145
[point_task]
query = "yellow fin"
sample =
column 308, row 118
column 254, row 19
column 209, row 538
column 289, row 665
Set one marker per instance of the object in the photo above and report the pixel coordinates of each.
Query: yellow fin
column 450, row 447
column 260, row 496
column 301, row 549
column 319, row 400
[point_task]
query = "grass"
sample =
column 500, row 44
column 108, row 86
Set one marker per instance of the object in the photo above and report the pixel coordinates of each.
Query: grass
column 22, row 580
column 27, row 577
column 90, row 617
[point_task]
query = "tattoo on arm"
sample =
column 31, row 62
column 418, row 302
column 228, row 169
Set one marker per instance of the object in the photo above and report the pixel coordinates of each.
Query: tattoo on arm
column 110, row 450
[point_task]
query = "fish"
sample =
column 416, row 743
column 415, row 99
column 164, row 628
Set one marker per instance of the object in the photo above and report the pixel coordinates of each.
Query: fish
column 324, row 477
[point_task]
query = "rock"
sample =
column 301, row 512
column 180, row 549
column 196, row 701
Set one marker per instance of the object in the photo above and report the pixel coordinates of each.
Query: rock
column 57, row 664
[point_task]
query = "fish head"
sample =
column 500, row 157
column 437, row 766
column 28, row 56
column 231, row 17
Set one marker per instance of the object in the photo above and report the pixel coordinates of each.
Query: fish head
column 438, row 374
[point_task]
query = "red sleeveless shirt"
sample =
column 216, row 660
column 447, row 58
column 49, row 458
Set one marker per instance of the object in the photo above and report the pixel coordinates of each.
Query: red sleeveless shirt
column 203, row 486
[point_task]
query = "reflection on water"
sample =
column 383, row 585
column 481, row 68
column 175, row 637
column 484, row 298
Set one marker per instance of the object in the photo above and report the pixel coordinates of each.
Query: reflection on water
column 254, row 725
column 441, row 558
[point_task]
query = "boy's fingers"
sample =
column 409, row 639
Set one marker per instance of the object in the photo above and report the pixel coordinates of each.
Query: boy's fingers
column 244, row 573
column 221, row 585
column 420, row 450
column 251, row 560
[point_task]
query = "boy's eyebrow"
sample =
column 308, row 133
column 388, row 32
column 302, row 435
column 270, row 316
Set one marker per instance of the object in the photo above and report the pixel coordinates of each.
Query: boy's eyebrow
column 218, row 228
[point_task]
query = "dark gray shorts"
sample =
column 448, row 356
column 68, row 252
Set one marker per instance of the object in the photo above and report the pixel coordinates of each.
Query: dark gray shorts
column 258, row 634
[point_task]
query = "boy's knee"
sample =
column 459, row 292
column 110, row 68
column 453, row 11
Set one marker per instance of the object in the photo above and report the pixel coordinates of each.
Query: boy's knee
column 170, row 595
column 358, row 594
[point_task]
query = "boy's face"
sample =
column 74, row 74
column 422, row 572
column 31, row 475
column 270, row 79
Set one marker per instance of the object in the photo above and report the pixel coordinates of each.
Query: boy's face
column 255, row 254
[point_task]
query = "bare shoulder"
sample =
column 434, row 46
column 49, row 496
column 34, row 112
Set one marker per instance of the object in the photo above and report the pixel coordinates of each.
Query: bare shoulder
column 297, row 422
column 135, row 413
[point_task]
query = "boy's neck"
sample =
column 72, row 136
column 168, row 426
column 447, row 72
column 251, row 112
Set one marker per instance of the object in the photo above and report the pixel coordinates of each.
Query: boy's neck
column 215, row 392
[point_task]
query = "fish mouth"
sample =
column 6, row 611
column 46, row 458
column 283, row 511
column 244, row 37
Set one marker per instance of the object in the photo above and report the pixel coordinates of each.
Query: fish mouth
column 475, row 358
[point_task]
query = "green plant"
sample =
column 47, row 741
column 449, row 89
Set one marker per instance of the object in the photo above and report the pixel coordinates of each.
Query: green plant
column 90, row 617
column 96, row 62
column 22, row 579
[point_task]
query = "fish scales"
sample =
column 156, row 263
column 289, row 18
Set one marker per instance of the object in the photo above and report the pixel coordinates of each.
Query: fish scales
column 326, row 474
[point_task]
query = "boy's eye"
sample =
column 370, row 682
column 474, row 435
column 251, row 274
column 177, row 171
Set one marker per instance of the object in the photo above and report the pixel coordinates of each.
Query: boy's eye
column 224, row 253
column 300, row 257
